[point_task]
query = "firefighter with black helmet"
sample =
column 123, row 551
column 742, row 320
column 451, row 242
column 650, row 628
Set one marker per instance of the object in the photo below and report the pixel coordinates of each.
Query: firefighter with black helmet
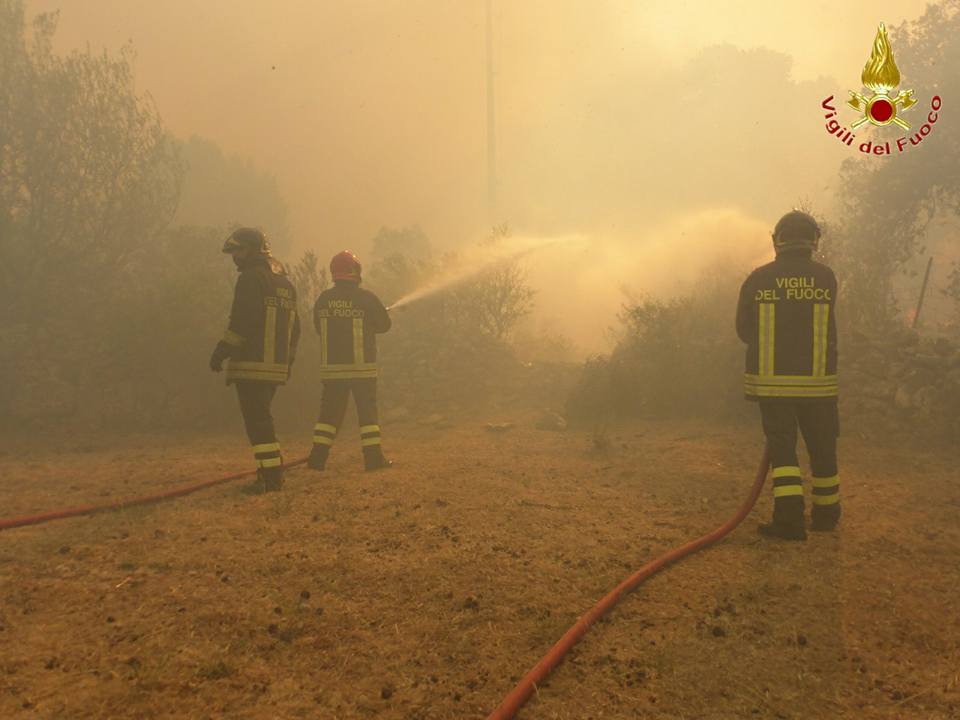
column 348, row 319
column 787, row 317
column 260, row 343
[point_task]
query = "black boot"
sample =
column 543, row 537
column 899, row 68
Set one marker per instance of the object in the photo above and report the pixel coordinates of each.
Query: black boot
column 824, row 518
column 318, row 457
column 273, row 479
column 787, row 519
column 258, row 486
column 783, row 531
column 373, row 459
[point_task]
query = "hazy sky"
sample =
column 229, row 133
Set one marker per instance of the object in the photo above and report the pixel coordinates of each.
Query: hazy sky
column 613, row 116
column 372, row 112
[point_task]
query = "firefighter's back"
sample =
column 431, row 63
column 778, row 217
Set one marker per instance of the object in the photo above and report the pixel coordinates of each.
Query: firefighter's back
column 348, row 318
column 791, row 344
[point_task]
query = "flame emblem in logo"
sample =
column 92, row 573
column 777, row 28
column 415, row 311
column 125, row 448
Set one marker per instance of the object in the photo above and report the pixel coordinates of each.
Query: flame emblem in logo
column 882, row 76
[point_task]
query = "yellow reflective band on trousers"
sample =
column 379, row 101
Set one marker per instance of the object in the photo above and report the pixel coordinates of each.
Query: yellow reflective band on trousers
column 826, row 483
column 272, row 453
column 323, row 427
column 786, row 471
column 367, row 442
column 324, row 341
column 767, row 339
column 270, row 336
column 364, row 429
column 358, row 352
column 322, row 440
column 821, row 321
column 788, row 490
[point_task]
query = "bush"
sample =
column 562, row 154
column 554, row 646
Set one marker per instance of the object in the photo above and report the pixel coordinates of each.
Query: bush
column 674, row 357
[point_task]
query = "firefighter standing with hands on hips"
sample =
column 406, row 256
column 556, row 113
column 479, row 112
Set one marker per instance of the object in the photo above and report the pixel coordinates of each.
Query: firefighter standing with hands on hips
column 786, row 316
column 348, row 319
column 261, row 343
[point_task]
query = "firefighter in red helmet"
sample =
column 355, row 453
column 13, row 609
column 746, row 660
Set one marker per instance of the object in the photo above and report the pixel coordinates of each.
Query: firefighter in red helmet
column 260, row 343
column 787, row 317
column 348, row 319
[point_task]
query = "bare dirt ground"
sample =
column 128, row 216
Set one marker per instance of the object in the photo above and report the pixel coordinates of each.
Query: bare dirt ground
column 428, row 590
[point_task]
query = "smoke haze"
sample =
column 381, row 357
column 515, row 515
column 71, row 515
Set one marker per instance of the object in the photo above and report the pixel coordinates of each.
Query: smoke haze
column 627, row 124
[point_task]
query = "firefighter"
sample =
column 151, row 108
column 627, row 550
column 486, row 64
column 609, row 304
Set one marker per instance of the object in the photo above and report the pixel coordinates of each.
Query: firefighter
column 786, row 316
column 348, row 319
column 261, row 343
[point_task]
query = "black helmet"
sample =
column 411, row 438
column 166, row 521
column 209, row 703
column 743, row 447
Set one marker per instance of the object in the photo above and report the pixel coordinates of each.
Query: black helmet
column 796, row 230
column 247, row 238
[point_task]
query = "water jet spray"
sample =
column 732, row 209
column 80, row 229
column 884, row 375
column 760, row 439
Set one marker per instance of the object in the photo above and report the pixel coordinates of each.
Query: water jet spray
column 490, row 258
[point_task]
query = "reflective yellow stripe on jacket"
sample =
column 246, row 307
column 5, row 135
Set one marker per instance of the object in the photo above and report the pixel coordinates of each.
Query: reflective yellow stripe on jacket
column 358, row 369
column 766, row 346
column 821, row 320
column 767, row 384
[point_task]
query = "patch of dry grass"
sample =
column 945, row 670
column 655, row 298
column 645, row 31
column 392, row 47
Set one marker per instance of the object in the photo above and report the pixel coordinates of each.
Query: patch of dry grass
column 427, row 591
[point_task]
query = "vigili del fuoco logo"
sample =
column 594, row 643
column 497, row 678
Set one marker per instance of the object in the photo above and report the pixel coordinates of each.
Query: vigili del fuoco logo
column 882, row 104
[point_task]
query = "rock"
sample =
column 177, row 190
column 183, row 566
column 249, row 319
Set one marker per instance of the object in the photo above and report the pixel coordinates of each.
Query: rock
column 551, row 421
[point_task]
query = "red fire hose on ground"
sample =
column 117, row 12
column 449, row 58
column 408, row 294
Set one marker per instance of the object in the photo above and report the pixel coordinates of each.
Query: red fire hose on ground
column 528, row 684
column 25, row 520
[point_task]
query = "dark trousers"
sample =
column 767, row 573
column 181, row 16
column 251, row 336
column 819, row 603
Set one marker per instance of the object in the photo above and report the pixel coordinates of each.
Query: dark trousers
column 819, row 424
column 333, row 408
column 255, row 399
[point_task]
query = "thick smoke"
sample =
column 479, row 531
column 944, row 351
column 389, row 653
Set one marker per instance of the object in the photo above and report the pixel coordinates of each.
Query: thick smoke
column 582, row 286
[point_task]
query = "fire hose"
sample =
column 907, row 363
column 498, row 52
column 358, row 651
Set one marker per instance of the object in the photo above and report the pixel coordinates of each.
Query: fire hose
column 515, row 700
column 528, row 684
column 176, row 492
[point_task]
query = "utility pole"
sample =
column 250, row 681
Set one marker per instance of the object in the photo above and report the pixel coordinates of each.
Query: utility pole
column 923, row 293
column 491, row 126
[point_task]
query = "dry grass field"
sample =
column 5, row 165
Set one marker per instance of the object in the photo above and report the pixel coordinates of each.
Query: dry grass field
column 428, row 590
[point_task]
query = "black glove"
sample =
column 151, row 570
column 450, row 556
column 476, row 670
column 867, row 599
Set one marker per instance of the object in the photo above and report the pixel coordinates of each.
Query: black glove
column 220, row 353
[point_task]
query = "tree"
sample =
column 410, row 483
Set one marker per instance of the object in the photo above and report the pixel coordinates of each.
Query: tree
column 401, row 260
column 888, row 206
column 88, row 178
column 500, row 297
column 85, row 163
column 309, row 280
column 220, row 190
column 410, row 242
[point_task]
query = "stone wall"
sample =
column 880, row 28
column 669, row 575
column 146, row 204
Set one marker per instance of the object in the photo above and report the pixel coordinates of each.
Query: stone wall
column 902, row 383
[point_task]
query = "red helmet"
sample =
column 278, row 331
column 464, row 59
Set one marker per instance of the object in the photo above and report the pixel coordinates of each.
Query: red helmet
column 345, row 266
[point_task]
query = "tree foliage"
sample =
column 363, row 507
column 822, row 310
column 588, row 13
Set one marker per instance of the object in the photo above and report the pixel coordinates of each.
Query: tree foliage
column 498, row 298
column 85, row 163
column 888, row 206
column 220, row 190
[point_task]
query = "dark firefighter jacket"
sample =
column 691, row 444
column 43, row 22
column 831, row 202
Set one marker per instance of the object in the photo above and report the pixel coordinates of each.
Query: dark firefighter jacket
column 786, row 316
column 264, row 328
column 348, row 318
